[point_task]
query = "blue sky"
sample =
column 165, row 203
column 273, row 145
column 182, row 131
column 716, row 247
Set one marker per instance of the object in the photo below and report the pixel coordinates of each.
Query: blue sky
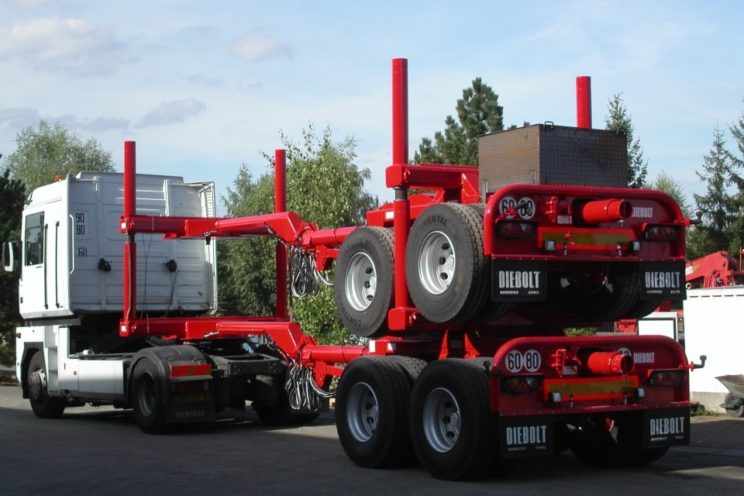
column 206, row 86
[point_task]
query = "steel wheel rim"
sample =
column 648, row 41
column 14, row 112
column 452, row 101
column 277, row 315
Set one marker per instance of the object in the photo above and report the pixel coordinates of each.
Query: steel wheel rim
column 442, row 420
column 146, row 396
column 361, row 282
column 436, row 262
column 362, row 412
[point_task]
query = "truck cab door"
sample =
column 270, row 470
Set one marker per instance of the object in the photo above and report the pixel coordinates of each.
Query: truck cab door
column 32, row 289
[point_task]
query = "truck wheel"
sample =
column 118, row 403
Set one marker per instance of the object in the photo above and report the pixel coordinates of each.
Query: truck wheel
column 642, row 308
column 593, row 445
column 147, row 398
column 734, row 412
column 364, row 281
column 451, row 424
column 602, row 296
column 42, row 404
column 445, row 266
column 372, row 412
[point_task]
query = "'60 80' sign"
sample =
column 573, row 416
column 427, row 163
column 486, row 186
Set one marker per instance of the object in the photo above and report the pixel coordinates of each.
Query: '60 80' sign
column 517, row 361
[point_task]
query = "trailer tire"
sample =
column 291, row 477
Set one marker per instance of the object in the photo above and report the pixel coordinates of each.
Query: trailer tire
column 595, row 447
column 42, row 404
column 734, row 412
column 147, row 397
column 452, row 427
column 445, row 266
column 364, row 281
column 606, row 301
column 372, row 412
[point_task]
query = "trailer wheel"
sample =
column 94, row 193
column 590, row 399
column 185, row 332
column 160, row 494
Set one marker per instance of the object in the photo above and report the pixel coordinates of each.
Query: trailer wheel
column 737, row 412
column 602, row 295
column 621, row 446
column 42, row 404
column 364, row 281
column 147, row 398
column 451, row 424
column 643, row 308
column 445, row 266
column 372, row 412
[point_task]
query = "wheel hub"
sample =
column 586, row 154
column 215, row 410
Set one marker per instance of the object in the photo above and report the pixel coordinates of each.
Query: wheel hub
column 37, row 384
column 361, row 282
column 436, row 262
column 362, row 412
column 442, row 420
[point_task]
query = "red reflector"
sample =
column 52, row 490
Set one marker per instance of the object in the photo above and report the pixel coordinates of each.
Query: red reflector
column 515, row 230
column 190, row 370
column 665, row 378
column 658, row 232
column 521, row 384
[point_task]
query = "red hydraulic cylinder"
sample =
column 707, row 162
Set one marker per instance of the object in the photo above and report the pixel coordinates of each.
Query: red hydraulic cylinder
column 596, row 212
column 609, row 363
column 584, row 102
column 401, row 207
column 280, row 205
column 130, row 248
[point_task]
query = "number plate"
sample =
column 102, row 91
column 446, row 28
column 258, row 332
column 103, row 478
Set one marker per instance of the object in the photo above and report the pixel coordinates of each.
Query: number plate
column 519, row 281
column 663, row 279
column 668, row 427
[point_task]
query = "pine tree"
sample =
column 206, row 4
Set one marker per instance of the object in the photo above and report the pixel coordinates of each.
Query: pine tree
column 716, row 206
column 737, row 176
column 478, row 113
column 619, row 120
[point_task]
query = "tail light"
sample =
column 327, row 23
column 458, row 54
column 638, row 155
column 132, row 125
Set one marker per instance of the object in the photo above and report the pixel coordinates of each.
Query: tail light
column 521, row 384
column 665, row 378
column 660, row 232
column 515, row 229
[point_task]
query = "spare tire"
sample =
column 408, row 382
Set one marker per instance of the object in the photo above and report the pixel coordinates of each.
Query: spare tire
column 445, row 266
column 364, row 281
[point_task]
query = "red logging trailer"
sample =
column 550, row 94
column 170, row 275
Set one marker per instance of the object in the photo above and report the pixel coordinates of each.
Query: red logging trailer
column 463, row 288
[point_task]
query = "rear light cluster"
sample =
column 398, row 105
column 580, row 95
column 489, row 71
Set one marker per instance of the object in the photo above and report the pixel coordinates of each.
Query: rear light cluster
column 660, row 232
column 521, row 384
column 509, row 229
column 665, row 378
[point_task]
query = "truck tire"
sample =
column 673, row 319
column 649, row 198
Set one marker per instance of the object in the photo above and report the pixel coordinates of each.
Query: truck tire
column 42, row 404
column 445, row 266
column 146, row 397
column 364, row 281
column 596, row 447
column 492, row 311
column 452, row 427
column 599, row 296
column 372, row 412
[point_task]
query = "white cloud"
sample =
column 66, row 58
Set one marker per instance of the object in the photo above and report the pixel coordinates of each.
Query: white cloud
column 204, row 80
column 173, row 112
column 71, row 45
column 261, row 47
column 17, row 118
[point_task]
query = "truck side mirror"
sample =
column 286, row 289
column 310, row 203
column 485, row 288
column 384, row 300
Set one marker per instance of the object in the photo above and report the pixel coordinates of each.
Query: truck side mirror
column 10, row 261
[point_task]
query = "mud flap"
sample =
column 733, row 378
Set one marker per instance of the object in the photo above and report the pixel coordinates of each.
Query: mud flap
column 524, row 437
column 667, row 427
column 519, row 281
column 663, row 280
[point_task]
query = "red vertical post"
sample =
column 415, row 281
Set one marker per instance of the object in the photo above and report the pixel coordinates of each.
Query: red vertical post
column 401, row 207
column 400, row 111
column 584, row 102
column 130, row 248
column 280, row 205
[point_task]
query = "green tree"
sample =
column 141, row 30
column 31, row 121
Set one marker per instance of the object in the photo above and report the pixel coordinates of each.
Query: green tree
column 12, row 197
column 324, row 187
column 666, row 183
column 716, row 205
column 478, row 113
column 619, row 120
column 50, row 151
column 737, row 176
